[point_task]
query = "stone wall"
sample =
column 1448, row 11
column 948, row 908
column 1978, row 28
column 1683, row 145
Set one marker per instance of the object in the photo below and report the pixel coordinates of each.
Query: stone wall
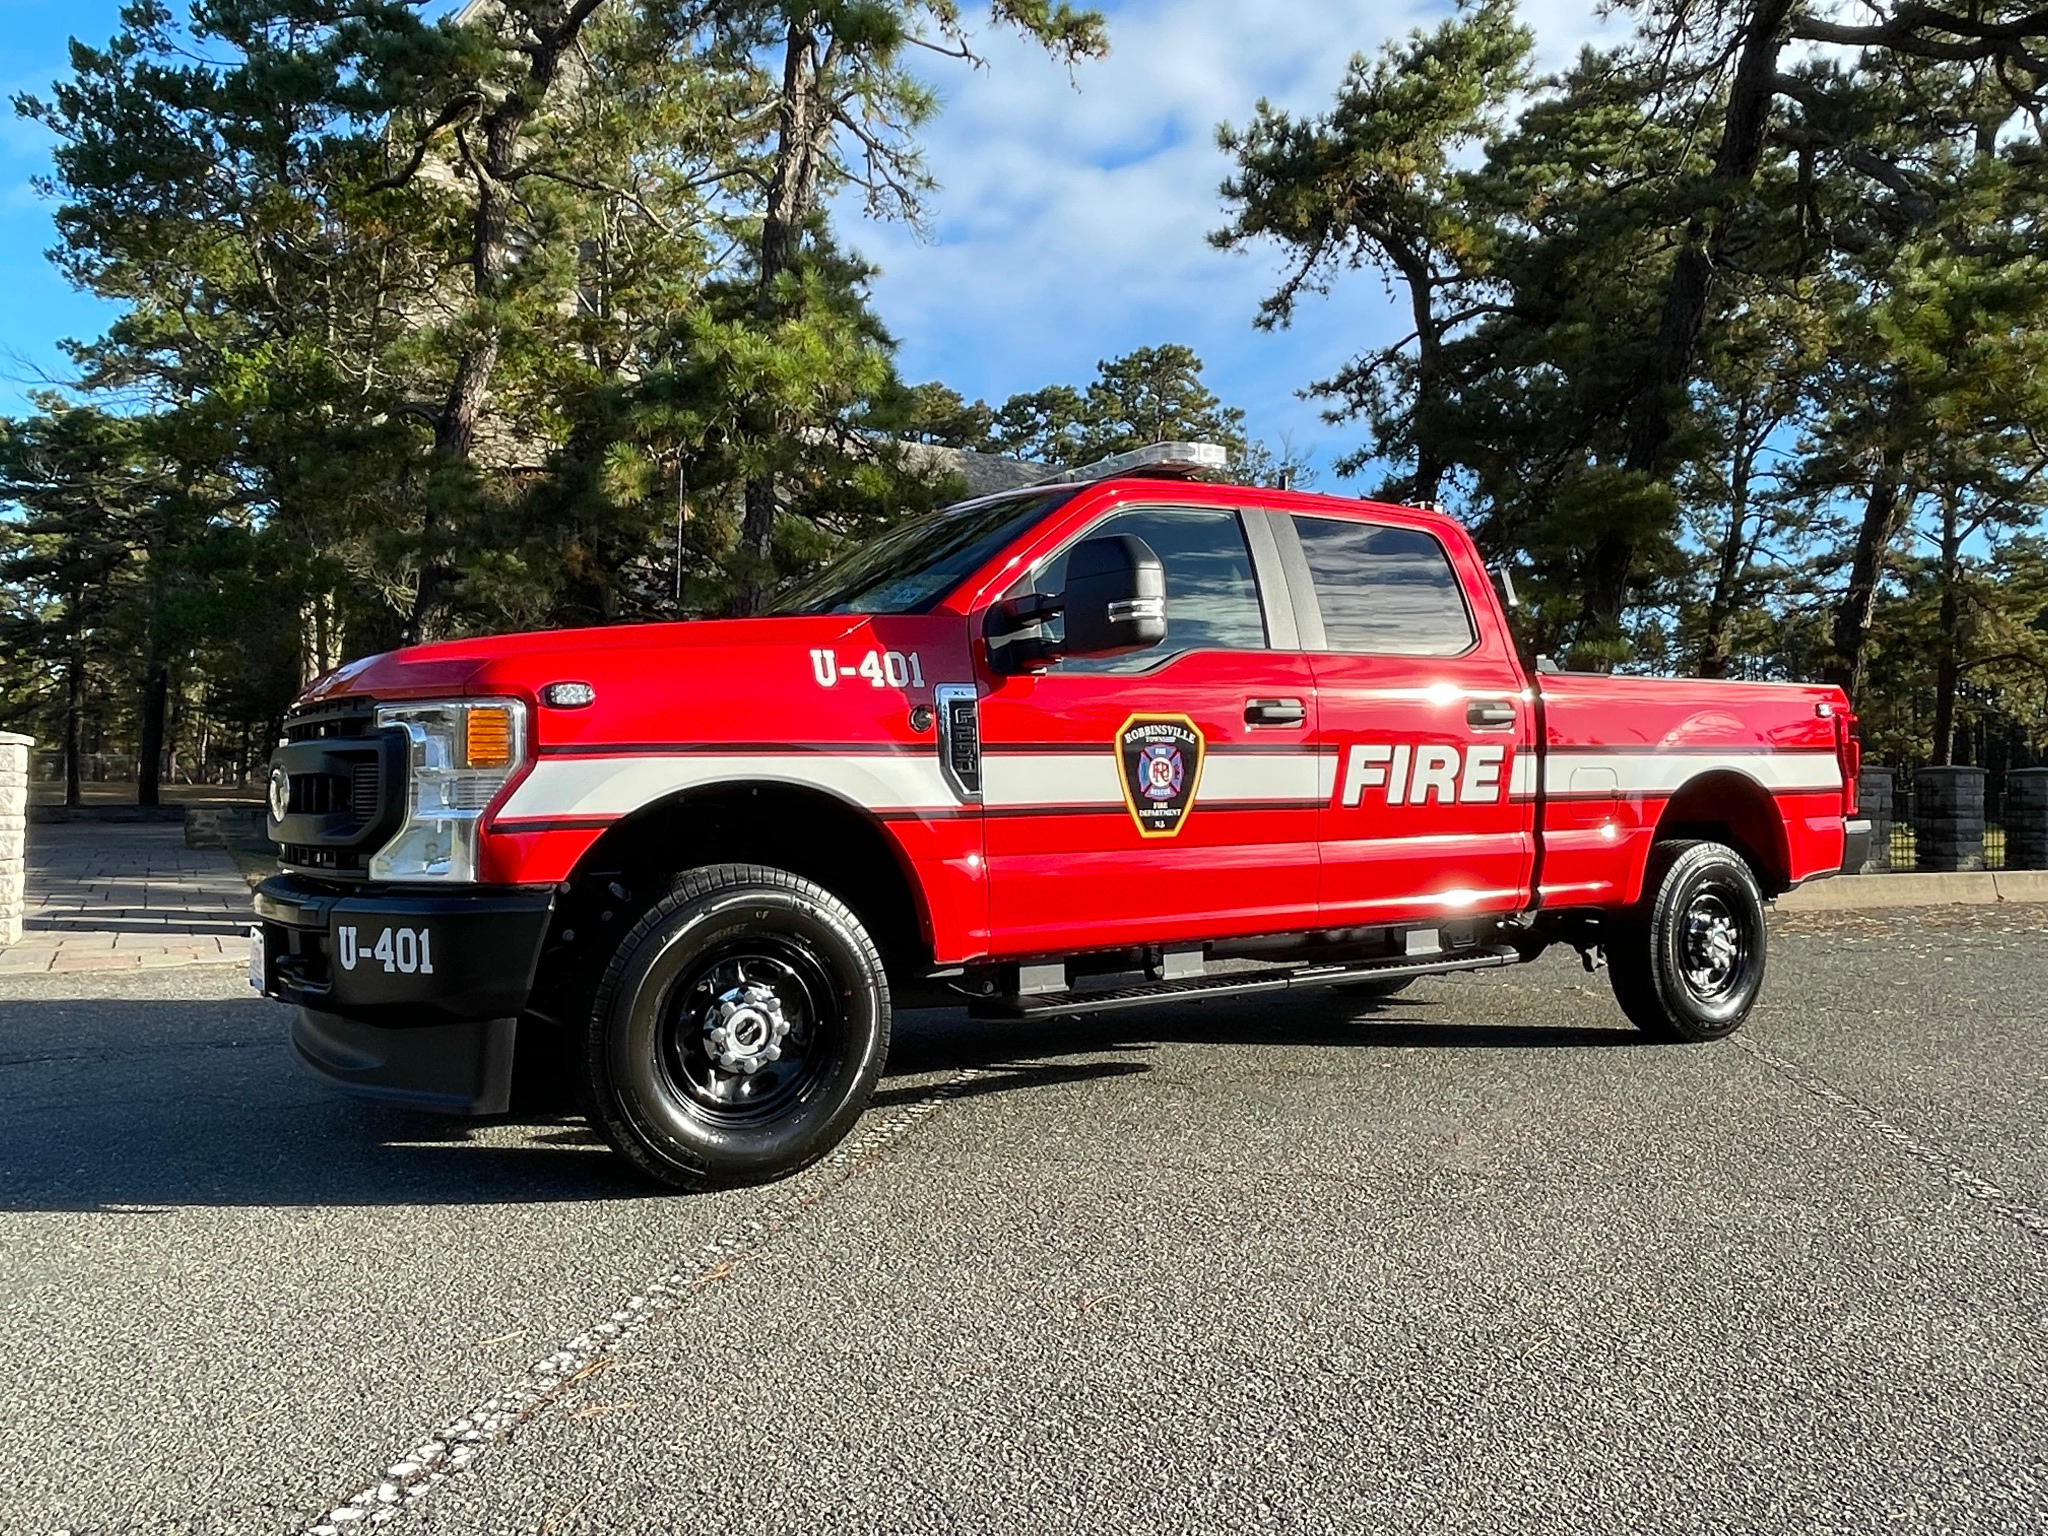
column 1948, row 818
column 13, row 834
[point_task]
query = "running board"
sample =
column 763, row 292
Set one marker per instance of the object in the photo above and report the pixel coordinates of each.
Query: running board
column 1046, row 1005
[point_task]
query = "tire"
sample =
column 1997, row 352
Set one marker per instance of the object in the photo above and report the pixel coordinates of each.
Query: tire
column 794, row 988
column 1687, row 962
column 1372, row 991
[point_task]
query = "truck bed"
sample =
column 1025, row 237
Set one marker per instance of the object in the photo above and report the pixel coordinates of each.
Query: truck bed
column 1619, row 750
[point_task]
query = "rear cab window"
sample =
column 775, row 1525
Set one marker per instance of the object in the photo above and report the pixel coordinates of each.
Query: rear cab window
column 1385, row 590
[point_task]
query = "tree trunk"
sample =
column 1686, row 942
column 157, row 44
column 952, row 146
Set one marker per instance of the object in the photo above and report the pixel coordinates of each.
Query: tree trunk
column 1611, row 563
column 74, row 707
column 495, row 167
column 456, row 427
column 1948, row 649
column 803, row 129
column 1884, row 513
column 1734, row 552
column 150, row 755
column 1430, row 467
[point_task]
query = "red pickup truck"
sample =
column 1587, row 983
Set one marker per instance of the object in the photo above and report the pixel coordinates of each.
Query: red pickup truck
column 1128, row 739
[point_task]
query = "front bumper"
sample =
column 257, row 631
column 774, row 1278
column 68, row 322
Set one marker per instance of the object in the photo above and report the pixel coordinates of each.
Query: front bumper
column 404, row 995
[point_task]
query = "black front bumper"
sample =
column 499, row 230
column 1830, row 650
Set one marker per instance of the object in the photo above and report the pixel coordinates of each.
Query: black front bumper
column 404, row 995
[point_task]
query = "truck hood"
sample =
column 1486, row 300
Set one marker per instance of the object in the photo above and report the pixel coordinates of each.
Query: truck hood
column 846, row 678
column 522, row 663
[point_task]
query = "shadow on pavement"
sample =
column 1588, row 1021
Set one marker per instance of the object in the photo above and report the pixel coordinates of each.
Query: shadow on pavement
column 133, row 1105
column 129, row 1105
column 935, row 1041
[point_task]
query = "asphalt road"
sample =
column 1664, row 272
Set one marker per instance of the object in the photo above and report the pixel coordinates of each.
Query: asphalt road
column 1476, row 1261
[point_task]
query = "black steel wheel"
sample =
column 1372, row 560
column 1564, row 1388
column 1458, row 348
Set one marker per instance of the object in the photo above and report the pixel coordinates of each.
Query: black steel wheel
column 1688, row 961
column 739, row 1029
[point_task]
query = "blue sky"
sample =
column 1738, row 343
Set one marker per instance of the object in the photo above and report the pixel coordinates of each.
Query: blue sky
column 1068, row 225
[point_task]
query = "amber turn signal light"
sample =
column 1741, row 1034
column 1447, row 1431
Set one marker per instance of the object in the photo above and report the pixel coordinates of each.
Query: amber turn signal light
column 487, row 737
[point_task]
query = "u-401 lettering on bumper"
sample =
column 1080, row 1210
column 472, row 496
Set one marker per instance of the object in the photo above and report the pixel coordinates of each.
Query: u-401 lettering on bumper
column 400, row 958
column 406, row 951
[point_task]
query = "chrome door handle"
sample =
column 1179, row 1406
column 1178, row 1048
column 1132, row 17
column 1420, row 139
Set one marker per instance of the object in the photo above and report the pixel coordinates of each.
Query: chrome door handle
column 1490, row 715
column 1274, row 712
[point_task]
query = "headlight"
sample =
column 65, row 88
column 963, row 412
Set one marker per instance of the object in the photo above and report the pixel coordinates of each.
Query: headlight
column 460, row 755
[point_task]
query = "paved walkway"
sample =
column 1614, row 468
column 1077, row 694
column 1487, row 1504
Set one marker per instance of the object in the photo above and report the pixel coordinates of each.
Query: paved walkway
column 114, row 896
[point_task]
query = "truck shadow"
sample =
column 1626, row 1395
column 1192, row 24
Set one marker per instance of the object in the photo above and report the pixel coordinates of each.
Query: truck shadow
column 144, row 1106
column 1017, row 1054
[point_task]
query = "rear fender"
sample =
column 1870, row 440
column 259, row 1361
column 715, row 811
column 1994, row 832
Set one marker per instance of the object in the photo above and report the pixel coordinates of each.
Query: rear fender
column 1729, row 807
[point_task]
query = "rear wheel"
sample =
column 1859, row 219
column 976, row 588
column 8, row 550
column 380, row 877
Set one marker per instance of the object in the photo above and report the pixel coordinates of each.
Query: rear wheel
column 1687, row 962
column 739, row 1029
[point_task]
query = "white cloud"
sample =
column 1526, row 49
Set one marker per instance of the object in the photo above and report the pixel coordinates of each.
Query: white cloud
column 1070, row 222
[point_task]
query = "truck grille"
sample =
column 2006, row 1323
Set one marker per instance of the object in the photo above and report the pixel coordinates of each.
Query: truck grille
column 319, row 722
column 346, row 787
column 364, row 791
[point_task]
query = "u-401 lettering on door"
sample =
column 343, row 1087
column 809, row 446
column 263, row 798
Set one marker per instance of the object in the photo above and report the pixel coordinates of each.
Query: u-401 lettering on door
column 1417, row 775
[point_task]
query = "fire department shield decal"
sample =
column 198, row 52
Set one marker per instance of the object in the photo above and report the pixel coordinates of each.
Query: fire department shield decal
column 1160, row 758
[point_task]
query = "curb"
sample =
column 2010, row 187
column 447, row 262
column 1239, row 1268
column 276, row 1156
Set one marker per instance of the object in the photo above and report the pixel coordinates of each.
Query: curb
column 1851, row 893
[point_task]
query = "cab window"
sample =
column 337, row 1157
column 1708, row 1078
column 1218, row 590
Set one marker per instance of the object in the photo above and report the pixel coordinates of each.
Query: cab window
column 1212, row 597
column 1383, row 590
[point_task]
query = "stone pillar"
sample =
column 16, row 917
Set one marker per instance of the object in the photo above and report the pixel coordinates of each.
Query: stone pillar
column 2026, row 818
column 1948, row 817
column 1874, row 803
column 13, row 835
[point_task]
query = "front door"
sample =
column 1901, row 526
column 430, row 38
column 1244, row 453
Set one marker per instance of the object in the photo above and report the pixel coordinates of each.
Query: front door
column 1168, row 795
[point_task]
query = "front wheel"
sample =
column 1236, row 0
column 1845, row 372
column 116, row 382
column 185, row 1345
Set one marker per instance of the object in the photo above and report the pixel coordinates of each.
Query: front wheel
column 1687, row 961
column 739, row 1029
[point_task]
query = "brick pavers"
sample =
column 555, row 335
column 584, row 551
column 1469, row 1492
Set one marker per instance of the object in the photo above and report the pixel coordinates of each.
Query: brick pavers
column 127, row 896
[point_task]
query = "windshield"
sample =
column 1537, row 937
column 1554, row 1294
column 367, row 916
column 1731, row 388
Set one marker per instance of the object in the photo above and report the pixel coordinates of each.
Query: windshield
column 909, row 569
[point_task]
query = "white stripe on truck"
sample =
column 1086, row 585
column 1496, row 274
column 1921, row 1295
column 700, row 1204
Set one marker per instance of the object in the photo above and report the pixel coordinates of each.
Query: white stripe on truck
column 618, row 786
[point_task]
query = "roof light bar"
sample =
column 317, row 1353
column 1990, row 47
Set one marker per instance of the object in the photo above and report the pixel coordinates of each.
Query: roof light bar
column 1174, row 460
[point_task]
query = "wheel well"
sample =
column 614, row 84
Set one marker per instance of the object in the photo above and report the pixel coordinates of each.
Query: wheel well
column 804, row 831
column 1733, row 808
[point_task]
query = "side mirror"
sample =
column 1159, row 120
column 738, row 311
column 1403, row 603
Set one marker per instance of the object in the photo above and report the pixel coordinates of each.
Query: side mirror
column 1115, row 597
column 1114, row 602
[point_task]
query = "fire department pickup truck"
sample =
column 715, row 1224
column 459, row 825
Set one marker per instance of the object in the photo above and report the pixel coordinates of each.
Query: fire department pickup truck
column 1132, row 738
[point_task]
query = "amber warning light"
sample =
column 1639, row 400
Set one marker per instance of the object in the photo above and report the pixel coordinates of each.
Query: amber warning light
column 487, row 737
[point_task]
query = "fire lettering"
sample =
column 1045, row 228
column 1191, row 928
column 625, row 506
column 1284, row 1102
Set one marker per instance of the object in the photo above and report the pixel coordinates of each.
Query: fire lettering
column 1420, row 775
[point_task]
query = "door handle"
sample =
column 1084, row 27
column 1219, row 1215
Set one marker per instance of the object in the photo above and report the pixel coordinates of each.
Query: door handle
column 1274, row 712
column 1490, row 715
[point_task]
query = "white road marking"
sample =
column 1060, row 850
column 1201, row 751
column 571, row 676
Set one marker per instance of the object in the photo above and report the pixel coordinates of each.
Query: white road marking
column 2030, row 1217
column 457, row 1445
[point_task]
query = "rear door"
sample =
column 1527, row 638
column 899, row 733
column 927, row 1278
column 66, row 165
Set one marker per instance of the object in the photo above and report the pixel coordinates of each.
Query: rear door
column 1169, row 795
column 1421, row 704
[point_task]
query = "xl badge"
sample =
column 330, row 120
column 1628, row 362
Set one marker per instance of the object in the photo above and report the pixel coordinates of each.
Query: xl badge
column 1160, row 757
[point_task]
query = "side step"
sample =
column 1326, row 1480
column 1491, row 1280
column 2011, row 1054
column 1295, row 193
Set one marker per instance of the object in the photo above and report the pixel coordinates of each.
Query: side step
column 1047, row 1005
